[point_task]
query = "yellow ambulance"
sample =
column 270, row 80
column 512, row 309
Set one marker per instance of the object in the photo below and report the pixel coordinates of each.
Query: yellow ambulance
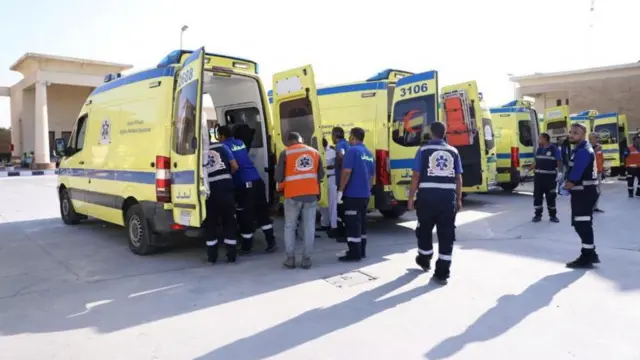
column 585, row 117
column 135, row 155
column 556, row 123
column 613, row 136
column 470, row 131
column 516, row 131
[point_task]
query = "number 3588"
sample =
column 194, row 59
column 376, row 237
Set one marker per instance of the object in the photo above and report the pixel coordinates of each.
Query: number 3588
column 413, row 89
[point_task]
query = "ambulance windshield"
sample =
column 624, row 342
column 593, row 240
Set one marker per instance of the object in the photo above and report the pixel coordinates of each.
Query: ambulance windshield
column 607, row 133
column 410, row 117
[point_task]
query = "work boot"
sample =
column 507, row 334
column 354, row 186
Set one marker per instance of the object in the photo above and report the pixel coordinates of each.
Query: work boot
column 537, row 218
column 554, row 219
column 341, row 239
column 598, row 210
column 271, row 247
column 212, row 254
column 290, row 262
column 306, row 263
column 424, row 262
column 332, row 233
column 363, row 246
column 231, row 253
column 353, row 254
column 440, row 280
column 584, row 261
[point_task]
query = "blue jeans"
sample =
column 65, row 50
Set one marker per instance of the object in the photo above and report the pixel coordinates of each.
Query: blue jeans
column 292, row 211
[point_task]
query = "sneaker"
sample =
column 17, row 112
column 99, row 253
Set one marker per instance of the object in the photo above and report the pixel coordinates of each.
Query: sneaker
column 306, row 263
column 290, row 262
column 554, row 219
column 537, row 218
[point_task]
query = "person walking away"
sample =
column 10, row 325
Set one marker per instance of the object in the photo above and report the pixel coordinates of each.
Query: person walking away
column 548, row 172
column 337, row 136
column 298, row 174
column 328, row 215
column 597, row 149
column 355, row 190
column 221, row 204
column 581, row 182
column 250, row 195
column 437, row 178
column 622, row 146
column 632, row 164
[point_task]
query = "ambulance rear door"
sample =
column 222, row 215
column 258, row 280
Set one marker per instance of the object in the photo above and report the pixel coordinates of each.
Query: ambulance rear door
column 415, row 106
column 463, row 116
column 187, row 179
column 295, row 107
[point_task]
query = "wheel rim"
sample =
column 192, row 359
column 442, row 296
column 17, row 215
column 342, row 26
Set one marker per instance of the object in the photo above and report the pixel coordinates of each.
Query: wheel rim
column 135, row 230
column 65, row 207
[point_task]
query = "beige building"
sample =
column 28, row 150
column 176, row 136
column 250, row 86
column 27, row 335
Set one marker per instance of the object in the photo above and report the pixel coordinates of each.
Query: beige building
column 605, row 89
column 47, row 101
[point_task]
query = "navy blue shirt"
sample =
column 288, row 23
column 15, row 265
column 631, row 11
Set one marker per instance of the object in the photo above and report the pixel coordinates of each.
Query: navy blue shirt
column 247, row 172
column 341, row 148
column 438, row 165
column 547, row 160
column 359, row 160
column 582, row 156
column 417, row 163
column 218, row 168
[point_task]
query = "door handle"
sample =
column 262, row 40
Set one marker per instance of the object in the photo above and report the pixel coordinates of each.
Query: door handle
column 175, row 164
column 81, row 163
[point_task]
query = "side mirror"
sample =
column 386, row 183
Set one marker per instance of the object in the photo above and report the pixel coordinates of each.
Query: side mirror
column 60, row 147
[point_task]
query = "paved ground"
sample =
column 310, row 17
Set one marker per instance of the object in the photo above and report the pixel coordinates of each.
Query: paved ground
column 78, row 293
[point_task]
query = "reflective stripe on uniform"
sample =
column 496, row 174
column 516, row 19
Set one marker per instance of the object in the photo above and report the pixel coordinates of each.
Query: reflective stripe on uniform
column 351, row 212
column 444, row 257
column 299, row 150
column 438, row 147
column 267, row 227
column 301, row 176
column 551, row 207
column 353, row 239
column 230, row 242
column 219, row 177
column 212, row 243
column 247, row 236
column 425, row 252
column 363, row 236
column 431, row 185
column 547, row 157
column 588, row 246
column 538, row 207
column 582, row 218
column 545, row 171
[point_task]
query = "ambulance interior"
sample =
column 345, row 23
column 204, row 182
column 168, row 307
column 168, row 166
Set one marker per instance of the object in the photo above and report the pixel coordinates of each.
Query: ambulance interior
column 237, row 100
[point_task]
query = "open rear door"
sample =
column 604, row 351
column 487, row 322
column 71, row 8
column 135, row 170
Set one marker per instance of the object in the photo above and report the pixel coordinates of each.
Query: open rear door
column 415, row 105
column 295, row 107
column 463, row 117
column 186, row 151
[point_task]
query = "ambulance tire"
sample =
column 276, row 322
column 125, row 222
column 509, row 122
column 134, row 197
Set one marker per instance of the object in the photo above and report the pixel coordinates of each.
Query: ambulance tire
column 509, row 187
column 139, row 233
column 393, row 213
column 67, row 212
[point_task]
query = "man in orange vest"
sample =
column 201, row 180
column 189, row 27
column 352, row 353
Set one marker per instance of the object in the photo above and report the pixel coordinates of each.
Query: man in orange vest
column 632, row 163
column 597, row 149
column 298, row 174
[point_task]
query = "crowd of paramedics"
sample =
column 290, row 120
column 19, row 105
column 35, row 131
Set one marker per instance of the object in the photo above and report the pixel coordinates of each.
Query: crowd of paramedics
column 237, row 192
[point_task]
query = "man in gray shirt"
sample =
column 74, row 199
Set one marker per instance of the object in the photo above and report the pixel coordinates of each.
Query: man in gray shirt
column 298, row 174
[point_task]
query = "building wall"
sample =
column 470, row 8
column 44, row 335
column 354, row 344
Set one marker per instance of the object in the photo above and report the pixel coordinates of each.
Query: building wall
column 64, row 103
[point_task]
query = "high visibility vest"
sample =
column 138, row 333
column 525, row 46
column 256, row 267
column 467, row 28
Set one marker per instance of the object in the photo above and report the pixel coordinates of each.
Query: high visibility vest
column 599, row 158
column 633, row 159
column 301, row 171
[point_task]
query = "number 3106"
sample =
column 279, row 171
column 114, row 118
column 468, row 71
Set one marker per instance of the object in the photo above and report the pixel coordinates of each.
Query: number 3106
column 414, row 89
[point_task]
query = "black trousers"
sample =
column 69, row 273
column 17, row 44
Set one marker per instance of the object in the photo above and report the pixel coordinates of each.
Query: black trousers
column 632, row 174
column 582, row 203
column 545, row 186
column 440, row 215
column 355, row 219
column 221, row 221
column 252, row 208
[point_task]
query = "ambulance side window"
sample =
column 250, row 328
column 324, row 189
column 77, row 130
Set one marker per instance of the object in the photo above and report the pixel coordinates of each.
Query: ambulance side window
column 489, row 140
column 297, row 115
column 526, row 135
column 184, row 119
column 76, row 143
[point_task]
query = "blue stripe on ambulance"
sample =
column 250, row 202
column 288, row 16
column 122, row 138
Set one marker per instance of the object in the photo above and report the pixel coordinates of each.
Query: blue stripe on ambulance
column 503, row 156
column 186, row 177
column 134, row 78
column 369, row 86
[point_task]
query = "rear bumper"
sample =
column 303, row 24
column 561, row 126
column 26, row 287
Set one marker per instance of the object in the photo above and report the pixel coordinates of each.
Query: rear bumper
column 161, row 220
column 384, row 200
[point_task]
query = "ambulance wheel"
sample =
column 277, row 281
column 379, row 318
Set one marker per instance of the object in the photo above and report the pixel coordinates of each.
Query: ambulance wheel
column 393, row 213
column 509, row 187
column 67, row 212
column 138, row 231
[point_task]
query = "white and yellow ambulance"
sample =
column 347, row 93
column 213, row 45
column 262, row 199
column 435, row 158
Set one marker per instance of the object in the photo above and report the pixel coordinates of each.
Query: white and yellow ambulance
column 135, row 155
column 613, row 133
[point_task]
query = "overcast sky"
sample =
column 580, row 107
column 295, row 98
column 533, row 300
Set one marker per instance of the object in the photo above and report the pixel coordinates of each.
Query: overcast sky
column 345, row 41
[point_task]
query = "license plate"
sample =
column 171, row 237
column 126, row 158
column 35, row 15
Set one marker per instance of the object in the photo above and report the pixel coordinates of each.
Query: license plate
column 185, row 217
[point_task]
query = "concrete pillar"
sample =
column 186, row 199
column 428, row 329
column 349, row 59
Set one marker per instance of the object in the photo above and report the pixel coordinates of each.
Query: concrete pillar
column 42, row 156
column 16, row 124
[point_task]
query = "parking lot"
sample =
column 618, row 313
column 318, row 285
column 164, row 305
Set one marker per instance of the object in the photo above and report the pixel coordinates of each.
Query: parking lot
column 79, row 293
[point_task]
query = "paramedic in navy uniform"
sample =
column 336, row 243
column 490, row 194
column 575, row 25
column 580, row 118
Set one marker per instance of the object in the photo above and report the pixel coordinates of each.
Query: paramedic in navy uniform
column 437, row 173
column 548, row 172
column 582, row 178
column 221, row 204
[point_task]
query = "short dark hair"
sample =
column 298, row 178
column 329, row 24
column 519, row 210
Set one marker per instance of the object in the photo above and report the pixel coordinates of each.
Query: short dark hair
column 338, row 132
column 294, row 136
column 580, row 126
column 437, row 130
column 225, row 131
column 357, row 133
column 546, row 136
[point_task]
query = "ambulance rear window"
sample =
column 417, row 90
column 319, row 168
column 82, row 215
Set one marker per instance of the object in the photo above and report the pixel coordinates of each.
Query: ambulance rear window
column 410, row 117
column 608, row 133
column 526, row 133
column 297, row 115
column 487, row 128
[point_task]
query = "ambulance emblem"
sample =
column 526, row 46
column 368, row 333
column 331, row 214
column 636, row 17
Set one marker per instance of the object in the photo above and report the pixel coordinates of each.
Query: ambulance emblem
column 105, row 132
column 304, row 163
column 441, row 164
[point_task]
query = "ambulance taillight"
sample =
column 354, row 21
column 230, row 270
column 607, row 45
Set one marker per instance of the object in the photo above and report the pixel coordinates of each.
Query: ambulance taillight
column 383, row 171
column 515, row 157
column 163, row 179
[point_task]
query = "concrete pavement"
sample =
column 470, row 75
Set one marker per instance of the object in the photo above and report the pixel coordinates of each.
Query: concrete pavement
column 78, row 293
